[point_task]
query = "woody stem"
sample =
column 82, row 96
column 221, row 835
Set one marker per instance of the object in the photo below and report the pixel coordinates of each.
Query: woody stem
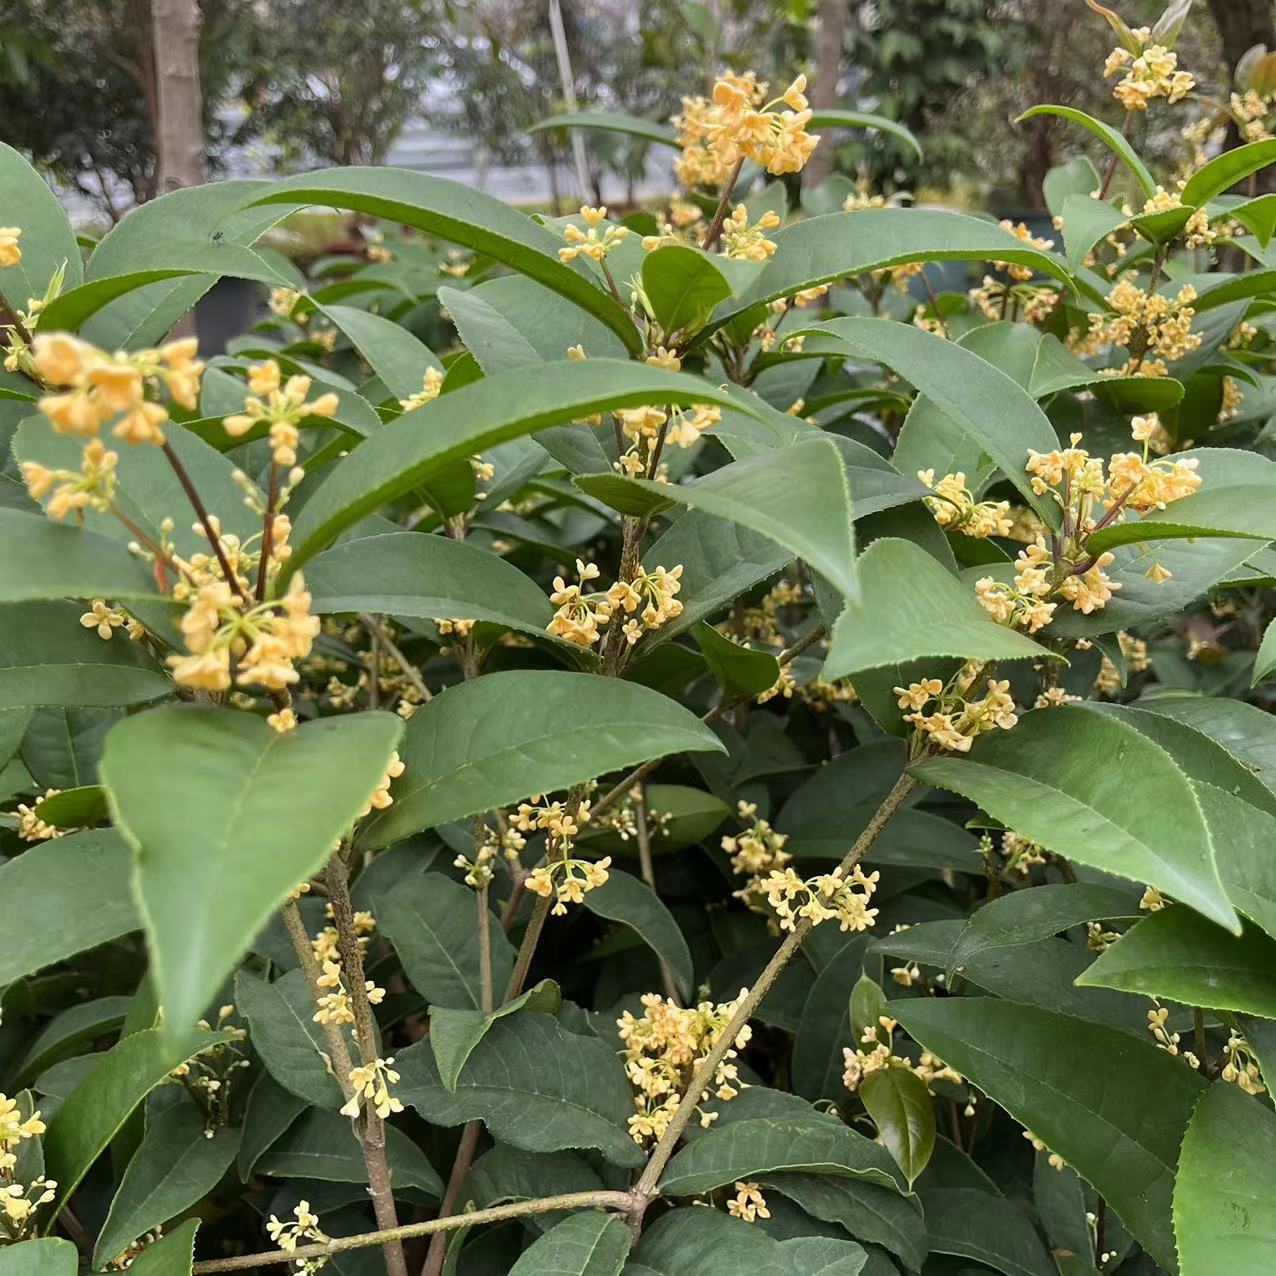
column 720, row 214
column 201, row 513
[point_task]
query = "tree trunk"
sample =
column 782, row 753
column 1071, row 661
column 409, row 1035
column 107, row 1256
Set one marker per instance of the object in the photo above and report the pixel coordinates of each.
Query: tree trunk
column 828, row 68
column 179, row 141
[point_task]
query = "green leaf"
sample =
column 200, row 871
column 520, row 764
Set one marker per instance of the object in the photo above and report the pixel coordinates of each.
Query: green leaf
column 76, row 1026
column 1258, row 215
column 904, row 1113
column 1224, row 1211
column 797, row 496
column 92, row 1114
column 47, row 242
column 586, row 1244
column 419, row 444
column 74, row 808
column 610, row 122
column 271, row 1110
column 720, row 560
column 1026, row 916
column 283, row 1032
column 991, row 407
column 174, row 1167
column 57, row 560
column 1225, row 170
column 171, row 1255
column 629, row 900
column 740, row 670
column 1041, row 781
column 836, row 118
column 464, row 216
column 1243, row 836
column 710, row 1242
column 1265, row 659
column 431, row 920
column 48, row 658
column 324, row 1145
column 870, row 1213
column 935, row 617
column 560, row 728
column 989, row 1229
column 533, row 1084
column 683, row 284
column 79, row 886
column 763, row 1145
column 1177, row 954
column 1113, row 140
column 48, row 1257
column 248, row 813
column 429, row 577
column 820, row 250
column 455, row 1033
column 1086, row 221
column 1244, row 730
column 1235, row 499
column 395, row 355
column 1112, row 1106
column 825, row 1026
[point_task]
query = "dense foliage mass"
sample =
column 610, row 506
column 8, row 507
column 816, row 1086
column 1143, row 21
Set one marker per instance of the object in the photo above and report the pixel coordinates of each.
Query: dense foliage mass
column 675, row 744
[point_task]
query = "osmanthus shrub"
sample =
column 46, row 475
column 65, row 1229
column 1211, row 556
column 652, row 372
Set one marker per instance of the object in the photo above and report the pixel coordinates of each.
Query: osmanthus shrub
column 588, row 746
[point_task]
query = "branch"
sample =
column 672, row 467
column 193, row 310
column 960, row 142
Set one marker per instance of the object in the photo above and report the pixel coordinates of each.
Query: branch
column 570, row 1201
column 703, row 1077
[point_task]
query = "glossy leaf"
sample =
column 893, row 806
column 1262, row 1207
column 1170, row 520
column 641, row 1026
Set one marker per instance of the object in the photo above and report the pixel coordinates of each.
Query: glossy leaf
column 1112, row 139
column 424, row 576
column 430, row 919
column 79, row 885
column 59, row 560
column 91, row 1115
column 417, row 446
column 49, row 1256
column 586, row 1244
column 1223, row 171
column 1224, row 1216
column 989, row 1229
column 394, row 354
column 1112, row 1106
column 904, row 1113
column 455, row 1033
column 533, row 1084
column 936, row 616
column 250, row 812
column 48, row 658
column 610, row 122
column 291, row 1045
column 746, row 1149
column 1175, row 953
column 561, row 728
column 740, row 670
column 171, row 1255
column 1041, row 781
column 837, row 118
column 173, row 1168
column 47, row 243
column 798, row 497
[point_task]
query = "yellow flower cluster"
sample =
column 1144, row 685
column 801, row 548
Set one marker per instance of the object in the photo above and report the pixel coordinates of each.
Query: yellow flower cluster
column 10, row 253
column 106, row 620
column 1165, row 1039
column 1020, row 854
column 662, row 1050
column 1156, row 329
column 1153, row 72
column 746, row 242
column 18, row 1202
column 302, row 1226
column 589, row 243
column 14, row 1128
column 282, row 410
column 954, row 507
column 1020, row 231
column 648, row 601
column 1250, row 110
column 261, row 642
column 996, row 300
column 336, row 1006
column 431, row 387
column 955, row 721
column 833, row 896
column 748, row 1203
column 759, row 849
column 92, row 486
column 98, row 387
column 1198, row 231
column 1023, row 604
column 372, row 1084
column 738, row 123
column 567, row 880
column 31, row 828
column 1053, row 1159
column 326, row 945
column 1135, row 651
column 1241, row 1068
column 859, row 1063
column 380, row 797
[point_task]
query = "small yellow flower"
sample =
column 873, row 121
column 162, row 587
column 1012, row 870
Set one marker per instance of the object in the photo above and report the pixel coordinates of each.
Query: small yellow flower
column 10, row 253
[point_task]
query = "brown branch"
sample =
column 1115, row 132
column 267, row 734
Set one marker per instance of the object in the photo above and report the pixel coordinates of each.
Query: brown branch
column 267, row 531
column 606, row 1200
column 201, row 513
column 720, row 214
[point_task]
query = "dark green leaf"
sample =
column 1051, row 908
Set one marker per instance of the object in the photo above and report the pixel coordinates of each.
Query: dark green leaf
column 455, row 1033
column 990, row 1230
column 904, row 1113
column 626, row 899
column 587, row 1244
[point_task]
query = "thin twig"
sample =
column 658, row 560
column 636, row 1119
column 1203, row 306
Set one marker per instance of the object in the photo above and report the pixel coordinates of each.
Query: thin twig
column 720, row 215
column 527, row 949
column 267, row 531
column 372, row 1130
column 410, row 671
column 934, row 304
column 201, row 513
column 606, row 1200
